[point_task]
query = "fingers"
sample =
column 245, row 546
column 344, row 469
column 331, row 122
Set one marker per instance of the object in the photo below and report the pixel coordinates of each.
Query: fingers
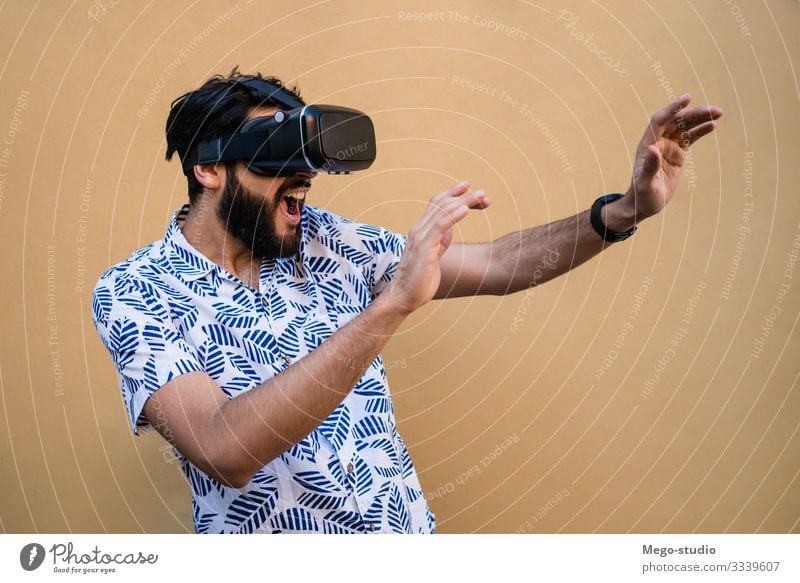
column 455, row 190
column 445, row 214
column 453, row 196
column 685, row 120
column 690, row 137
column 697, row 115
column 677, row 123
column 662, row 117
column 438, row 232
column 447, row 208
column 477, row 200
column 440, row 199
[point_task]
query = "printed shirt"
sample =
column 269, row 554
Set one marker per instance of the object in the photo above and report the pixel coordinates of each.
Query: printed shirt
column 168, row 310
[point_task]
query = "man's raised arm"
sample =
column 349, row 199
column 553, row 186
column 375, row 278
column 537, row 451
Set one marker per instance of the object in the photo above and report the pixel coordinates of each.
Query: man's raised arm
column 533, row 256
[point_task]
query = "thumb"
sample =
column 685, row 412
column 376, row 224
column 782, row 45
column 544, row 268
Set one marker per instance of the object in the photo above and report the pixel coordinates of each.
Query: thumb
column 648, row 165
column 651, row 163
column 447, row 238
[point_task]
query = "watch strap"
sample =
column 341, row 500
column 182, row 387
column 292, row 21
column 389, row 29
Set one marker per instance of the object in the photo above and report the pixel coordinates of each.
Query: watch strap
column 597, row 222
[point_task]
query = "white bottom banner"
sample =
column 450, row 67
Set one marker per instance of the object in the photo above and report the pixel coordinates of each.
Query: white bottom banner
column 640, row 557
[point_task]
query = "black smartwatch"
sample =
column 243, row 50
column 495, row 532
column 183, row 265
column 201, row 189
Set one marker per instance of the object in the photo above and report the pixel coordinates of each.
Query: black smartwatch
column 606, row 233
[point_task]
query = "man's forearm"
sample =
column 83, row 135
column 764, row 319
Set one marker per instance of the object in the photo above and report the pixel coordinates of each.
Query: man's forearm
column 537, row 255
column 259, row 425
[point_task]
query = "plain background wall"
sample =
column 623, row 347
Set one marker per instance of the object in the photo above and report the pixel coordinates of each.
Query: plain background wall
column 584, row 405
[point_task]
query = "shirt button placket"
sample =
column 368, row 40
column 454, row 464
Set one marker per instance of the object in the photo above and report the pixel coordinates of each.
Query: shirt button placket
column 350, row 468
column 265, row 304
column 350, row 476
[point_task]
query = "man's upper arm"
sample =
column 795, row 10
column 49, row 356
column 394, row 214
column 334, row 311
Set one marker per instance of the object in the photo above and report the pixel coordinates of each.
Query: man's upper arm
column 163, row 382
column 134, row 324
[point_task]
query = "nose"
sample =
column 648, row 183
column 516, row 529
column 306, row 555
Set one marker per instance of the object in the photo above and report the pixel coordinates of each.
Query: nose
column 309, row 174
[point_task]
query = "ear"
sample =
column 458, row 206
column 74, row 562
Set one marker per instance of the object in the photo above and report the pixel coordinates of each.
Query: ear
column 211, row 176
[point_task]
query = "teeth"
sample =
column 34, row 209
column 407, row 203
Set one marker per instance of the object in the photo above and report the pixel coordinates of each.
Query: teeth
column 298, row 196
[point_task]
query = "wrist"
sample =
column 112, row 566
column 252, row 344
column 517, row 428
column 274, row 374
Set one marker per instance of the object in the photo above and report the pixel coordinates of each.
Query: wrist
column 387, row 305
column 620, row 215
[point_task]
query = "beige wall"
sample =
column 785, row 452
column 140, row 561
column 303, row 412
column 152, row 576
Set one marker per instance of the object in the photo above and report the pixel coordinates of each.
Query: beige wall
column 512, row 427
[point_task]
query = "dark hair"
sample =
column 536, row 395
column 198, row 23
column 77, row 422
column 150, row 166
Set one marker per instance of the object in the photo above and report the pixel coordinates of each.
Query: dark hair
column 218, row 107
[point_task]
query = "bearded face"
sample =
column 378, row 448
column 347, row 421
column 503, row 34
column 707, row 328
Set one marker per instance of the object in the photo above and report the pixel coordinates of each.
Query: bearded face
column 269, row 227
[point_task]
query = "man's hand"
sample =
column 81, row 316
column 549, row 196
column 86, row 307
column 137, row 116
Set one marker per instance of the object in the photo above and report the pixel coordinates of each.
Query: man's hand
column 419, row 273
column 661, row 152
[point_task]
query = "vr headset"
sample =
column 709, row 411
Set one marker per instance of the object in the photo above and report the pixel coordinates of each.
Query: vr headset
column 315, row 138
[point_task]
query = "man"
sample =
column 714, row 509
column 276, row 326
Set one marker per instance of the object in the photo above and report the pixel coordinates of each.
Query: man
column 250, row 336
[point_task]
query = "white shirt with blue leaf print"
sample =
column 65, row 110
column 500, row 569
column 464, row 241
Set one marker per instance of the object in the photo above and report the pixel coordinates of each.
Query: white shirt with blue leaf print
column 168, row 310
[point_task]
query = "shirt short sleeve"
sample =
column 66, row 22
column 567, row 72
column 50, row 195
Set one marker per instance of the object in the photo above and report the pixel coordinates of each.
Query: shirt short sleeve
column 380, row 248
column 388, row 250
column 135, row 326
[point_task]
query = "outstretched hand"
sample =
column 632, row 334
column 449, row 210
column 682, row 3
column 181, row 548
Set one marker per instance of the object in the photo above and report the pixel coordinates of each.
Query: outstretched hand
column 418, row 274
column 662, row 150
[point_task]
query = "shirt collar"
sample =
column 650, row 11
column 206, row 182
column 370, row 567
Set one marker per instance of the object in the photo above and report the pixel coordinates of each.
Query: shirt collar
column 192, row 265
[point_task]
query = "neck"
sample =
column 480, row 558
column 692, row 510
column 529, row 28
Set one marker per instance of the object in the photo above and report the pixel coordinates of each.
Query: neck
column 206, row 233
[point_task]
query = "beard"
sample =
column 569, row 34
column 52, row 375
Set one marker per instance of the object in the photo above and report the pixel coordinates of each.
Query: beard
column 251, row 219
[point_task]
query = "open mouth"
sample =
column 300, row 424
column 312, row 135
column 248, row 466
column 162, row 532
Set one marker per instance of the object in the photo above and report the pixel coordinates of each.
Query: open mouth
column 294, row 199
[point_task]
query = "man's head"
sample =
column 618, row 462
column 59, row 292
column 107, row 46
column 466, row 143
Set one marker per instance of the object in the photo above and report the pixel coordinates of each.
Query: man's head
column 260, row 211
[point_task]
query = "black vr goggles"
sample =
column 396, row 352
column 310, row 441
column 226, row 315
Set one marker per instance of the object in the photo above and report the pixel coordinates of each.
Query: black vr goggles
column 311, row 138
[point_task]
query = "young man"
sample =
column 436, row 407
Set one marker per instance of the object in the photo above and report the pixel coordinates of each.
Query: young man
column 250, row 335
